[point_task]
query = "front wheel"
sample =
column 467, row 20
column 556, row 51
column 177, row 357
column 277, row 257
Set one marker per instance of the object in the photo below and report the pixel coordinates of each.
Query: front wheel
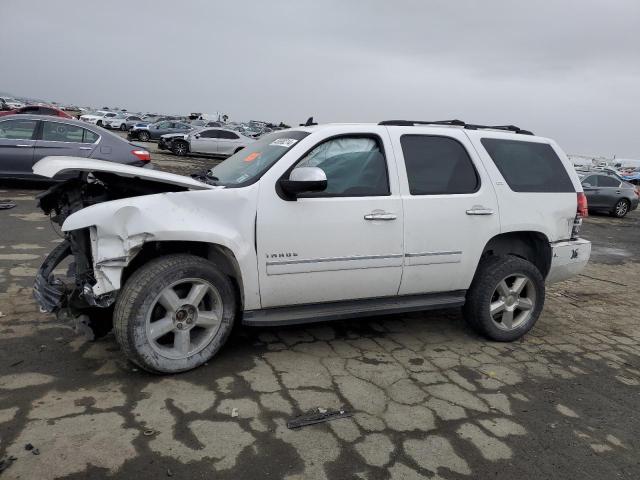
column 505, row 298
column 143, row 136
column 180, row 148
column 621, row 208
column 123, row 127
column 99, row 123
column 174, row 313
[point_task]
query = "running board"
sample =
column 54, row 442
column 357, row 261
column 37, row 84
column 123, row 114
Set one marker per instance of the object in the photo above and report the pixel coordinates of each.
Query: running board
column 322, row 312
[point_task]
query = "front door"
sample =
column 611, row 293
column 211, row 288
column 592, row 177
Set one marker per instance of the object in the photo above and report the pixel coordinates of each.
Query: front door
column 16, row 147
column 205, row 141
column 450, row 209
column 228, row 143
column 341, row 244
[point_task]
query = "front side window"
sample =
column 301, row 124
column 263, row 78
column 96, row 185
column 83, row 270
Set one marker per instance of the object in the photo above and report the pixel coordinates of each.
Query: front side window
column 163, row 125
column 250, row 163
column 17, row 129
column 438, row 166
column 228, row 135
column 209, row 134
column 61, row 132
column 528, row 166
column 591, row 180
column 354, row 166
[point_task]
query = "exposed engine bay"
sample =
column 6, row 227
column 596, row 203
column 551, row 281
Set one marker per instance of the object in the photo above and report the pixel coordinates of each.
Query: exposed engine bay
column 59, row 202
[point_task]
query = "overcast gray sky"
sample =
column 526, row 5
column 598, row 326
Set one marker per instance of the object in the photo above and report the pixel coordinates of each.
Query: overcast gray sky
column 567, row 69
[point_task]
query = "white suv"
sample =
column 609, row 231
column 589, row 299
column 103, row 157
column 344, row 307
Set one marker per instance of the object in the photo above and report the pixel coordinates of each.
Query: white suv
column 317, row 223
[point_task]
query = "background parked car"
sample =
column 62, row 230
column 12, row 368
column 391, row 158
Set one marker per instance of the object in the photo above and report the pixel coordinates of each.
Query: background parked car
column 122, row 121
column 97, row 118
column 25, row 139
column 210, row 141
column 37, row 110
column 609, row 193
column 154, row 131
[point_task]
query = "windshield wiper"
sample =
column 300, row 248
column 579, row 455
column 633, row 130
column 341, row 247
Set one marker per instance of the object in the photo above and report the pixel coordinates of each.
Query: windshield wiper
column 205, row 177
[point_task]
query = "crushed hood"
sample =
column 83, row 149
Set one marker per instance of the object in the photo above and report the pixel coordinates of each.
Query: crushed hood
column 51, row 166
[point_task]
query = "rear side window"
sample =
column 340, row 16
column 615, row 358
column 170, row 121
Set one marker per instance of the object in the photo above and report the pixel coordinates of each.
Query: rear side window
column 209, row 134
column 437, row 165
column 89, row 136
column 608, row 181
column 528, row 166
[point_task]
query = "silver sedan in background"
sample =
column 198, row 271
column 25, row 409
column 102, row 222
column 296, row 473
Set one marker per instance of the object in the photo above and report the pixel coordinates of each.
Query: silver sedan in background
column 209, row 141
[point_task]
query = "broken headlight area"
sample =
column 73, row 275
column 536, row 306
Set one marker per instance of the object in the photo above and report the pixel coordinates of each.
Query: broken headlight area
column 73, row 295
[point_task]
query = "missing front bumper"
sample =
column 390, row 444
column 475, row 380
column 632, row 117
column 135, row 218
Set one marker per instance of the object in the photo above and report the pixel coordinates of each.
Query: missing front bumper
column 51, row 293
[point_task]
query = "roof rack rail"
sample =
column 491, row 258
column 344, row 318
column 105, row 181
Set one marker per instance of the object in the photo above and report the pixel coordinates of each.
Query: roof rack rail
column 455, row 123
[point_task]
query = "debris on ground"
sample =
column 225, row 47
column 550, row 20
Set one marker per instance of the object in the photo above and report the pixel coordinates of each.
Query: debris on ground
column 15, row 364
column 30, row 448
column 7, row 204
column 149, row 433
column 234, row 412
column 6, row 463
column 2, row 315
column 317, row 415
column 169, row 473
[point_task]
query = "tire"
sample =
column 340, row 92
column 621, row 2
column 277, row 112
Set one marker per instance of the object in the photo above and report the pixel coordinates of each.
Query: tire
column 123, row 127
column 143, row 136
column 180, row 148
column 99, row 123
column 488, row 289
column 185, row 344
column 621, row 208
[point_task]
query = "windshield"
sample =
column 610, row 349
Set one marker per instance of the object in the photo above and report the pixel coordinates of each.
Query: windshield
column 250, row 163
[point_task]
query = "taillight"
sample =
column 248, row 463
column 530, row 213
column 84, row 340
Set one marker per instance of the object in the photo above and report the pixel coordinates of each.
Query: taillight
column 142, row 155
column 583, row 210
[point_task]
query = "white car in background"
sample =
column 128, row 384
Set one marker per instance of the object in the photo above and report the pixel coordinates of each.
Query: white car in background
column 12, row 103
column 97, row 118
column 122, row 121
column 210, row 141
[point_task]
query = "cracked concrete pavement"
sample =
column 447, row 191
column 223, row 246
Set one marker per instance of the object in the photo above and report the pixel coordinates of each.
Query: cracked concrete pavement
column 430, row 398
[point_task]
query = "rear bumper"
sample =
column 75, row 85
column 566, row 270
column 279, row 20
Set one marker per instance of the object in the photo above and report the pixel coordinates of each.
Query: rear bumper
column 568, row 259
column 634, row 203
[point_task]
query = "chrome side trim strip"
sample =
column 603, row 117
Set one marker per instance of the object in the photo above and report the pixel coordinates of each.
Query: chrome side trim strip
column 430, row 254
column 334, row 259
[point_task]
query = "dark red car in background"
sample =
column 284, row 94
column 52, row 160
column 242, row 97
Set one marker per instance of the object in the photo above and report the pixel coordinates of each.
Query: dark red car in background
column 37, row 110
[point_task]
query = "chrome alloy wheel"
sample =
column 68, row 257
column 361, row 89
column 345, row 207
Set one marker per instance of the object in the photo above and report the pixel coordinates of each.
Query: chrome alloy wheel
column 183, row 318
column 512, row 302
column 621, row 208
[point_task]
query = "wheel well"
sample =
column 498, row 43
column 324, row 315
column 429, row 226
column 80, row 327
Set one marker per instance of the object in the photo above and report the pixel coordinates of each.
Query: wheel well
column 221, row 256
column 532, row 246
column 238, row 149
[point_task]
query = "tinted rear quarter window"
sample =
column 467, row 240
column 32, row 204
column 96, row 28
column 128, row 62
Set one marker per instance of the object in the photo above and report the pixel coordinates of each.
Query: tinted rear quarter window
column 437, row 165
column 528, row 166
column 604, row 181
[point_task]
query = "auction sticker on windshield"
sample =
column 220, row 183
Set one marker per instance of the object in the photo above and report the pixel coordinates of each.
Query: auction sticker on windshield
column 284, row 142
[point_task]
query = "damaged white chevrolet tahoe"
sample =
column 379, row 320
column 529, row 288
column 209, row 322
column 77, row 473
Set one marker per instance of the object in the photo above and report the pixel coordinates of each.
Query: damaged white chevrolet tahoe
column 311, row 224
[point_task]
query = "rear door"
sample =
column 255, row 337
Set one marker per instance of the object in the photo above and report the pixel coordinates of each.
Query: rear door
column 16, row 147
column 591, row 190
column 609, row 191
column 228, row 143
column 62, row 139
column 450, row 208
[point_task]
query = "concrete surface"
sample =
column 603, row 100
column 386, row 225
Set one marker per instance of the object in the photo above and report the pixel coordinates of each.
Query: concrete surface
column 430, row 398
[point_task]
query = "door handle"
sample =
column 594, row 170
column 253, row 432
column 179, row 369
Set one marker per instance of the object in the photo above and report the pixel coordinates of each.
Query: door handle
column 23, row 145
column 84, row 148
column 618, row 192
column 379, row 215
column 479, row 210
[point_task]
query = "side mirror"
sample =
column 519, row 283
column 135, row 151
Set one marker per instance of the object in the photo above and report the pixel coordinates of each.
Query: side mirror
column 304, row 180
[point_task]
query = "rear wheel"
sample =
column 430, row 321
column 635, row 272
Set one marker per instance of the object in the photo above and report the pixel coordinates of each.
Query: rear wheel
column 143, row 136
column 99, row 123
column 180, row 148
column 174, row 313
column 505, row 298
column 621, row 208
